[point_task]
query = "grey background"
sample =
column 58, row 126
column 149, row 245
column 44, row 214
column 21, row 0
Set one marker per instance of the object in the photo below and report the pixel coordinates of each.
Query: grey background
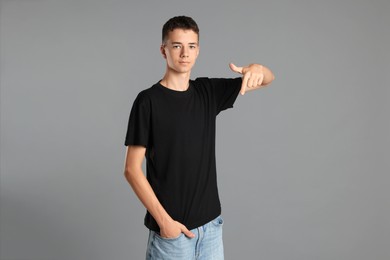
column 303, row 164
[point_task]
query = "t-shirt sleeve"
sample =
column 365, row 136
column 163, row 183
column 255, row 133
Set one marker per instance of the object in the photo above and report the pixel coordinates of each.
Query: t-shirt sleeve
column 226, row 92
column 138, row 129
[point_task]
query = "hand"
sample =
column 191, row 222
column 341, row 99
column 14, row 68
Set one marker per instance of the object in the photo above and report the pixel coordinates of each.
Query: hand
column 253, row 76
column 173, row 229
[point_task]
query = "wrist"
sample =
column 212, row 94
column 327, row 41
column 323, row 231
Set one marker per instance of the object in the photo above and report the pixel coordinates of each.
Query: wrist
column 164, row 221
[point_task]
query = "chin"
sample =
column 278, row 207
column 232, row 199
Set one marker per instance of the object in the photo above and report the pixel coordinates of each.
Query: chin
column 183, row 70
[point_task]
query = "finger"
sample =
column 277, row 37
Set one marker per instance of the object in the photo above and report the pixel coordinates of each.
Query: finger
column 245, row 82
column 252, row 81
column 187, row 232
column 235, row 68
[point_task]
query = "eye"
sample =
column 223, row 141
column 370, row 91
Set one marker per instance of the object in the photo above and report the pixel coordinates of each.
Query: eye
column 176, row 46
column 192, row 47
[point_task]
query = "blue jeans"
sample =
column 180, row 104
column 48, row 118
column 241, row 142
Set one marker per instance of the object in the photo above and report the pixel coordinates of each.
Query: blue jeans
column 206, row 245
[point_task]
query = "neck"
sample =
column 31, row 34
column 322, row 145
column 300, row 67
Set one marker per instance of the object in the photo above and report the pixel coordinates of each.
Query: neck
column 176, row 81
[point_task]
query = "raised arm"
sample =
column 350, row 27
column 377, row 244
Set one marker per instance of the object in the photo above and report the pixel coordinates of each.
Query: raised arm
column 136, row 178
column 254, row 76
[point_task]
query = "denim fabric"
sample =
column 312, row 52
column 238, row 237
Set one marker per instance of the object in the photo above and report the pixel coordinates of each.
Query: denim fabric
column 206, row 245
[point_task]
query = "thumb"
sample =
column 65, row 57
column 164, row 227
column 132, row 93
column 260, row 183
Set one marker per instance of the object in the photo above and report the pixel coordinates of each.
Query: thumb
column 187, row 232
column 235, row 68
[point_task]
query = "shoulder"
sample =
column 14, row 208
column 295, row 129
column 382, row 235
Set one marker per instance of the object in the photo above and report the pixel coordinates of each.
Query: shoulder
column 148, row 93
column 215, row 82
column 201, row 81
column 144, row 97
column 207, row 80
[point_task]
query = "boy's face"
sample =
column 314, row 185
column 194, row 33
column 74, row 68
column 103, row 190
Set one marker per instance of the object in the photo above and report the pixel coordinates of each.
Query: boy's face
column 180, row 50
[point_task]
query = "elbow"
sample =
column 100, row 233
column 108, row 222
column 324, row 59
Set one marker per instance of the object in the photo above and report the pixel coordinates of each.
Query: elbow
column 126, row 173
column 130, row 173
column 129, row 176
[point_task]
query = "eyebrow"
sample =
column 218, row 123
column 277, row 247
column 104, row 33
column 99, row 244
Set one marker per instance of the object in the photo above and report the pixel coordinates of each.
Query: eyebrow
column 191, row 43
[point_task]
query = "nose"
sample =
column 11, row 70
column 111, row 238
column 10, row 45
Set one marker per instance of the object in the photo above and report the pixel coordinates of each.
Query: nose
column 184, row 52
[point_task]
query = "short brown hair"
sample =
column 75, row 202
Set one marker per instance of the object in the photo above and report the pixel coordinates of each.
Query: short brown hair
column 179, row 22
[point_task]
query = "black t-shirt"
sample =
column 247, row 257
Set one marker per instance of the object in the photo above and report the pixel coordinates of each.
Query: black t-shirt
column 178, row 130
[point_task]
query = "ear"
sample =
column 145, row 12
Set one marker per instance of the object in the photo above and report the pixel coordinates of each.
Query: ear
column 162, row 50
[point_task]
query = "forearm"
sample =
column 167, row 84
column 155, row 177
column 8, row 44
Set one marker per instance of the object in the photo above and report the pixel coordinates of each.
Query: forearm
column 146, row 195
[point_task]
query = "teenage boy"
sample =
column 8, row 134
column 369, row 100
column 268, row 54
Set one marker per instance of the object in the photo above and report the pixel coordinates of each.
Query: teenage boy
column 172, row 124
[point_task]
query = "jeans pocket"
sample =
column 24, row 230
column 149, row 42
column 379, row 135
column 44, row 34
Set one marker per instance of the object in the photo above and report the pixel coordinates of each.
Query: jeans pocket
column 168, row 238
column 218, row 221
